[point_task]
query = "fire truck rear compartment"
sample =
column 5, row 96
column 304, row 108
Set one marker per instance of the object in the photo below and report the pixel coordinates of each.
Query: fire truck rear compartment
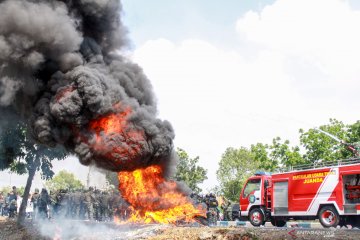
column 351, row 191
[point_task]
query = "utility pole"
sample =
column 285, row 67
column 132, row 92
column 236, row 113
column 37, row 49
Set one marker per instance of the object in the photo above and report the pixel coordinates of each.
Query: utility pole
column 88, row 177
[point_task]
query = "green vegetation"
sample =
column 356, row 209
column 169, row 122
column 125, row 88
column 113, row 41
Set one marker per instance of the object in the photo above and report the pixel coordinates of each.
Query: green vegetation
column 20, row 154
column 189, row 172
column 236, row 165
column 64, row 180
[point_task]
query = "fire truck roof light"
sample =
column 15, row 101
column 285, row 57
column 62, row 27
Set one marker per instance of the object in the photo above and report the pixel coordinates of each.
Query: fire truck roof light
column 261, row 173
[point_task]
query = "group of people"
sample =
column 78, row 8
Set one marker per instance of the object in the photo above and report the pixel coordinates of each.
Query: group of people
column 81, row 204
column 215, row 210
column 9, row 203
column 89, row 204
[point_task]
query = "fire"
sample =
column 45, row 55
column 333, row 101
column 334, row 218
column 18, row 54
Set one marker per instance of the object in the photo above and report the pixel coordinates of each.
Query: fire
column 154, row 199
column 116, row 139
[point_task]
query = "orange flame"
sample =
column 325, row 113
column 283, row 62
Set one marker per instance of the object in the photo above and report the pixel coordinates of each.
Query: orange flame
column 154, row 199
column 115, row 137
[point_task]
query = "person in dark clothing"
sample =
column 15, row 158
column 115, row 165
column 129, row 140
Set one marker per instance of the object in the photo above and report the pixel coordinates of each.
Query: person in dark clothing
column 12, row 204
column 34, row 201
column 43, row 201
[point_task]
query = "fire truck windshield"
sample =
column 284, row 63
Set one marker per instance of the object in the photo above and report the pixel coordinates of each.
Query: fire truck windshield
column 252, row 185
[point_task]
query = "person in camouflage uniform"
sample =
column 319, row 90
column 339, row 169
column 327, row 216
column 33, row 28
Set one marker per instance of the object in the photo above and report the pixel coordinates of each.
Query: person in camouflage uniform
column 96, row 204
column 62, row 199
column 52, row 204
column 224, row 208
column 114, row 203
column 76, row 204
column 88, row 204
column 104, row 206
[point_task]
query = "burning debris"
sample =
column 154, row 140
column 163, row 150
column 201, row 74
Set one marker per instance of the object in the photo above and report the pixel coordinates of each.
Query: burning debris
column 155, row 199
column 61, row 71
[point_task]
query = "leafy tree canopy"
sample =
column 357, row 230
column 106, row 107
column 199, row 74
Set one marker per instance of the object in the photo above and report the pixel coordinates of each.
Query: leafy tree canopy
column 19, row 153
column 64, row 180
column 319, row 146
column 189, row 172
column 235, row 166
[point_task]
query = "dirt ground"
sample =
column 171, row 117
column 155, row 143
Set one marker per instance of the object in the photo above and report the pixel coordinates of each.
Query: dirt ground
column 232, row 233
column 9, row 230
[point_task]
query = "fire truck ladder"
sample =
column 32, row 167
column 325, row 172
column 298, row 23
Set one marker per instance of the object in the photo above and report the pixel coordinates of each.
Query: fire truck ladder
column 322, row 164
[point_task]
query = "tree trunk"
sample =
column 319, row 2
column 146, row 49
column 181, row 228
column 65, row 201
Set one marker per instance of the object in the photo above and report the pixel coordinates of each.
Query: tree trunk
column 22, row 210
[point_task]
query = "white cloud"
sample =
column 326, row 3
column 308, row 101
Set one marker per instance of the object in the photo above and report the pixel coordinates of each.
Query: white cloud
column 300, row 67
column 323, row 32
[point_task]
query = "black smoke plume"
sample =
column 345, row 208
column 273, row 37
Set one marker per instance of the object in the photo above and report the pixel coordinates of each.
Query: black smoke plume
column 61, row 69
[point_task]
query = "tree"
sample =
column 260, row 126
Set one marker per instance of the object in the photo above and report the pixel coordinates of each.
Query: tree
column 64, row 180
column 235, row 166
column 189, row 172
column 277, row 155
column 6, row 190
column 261, row 155
column 319, row 146
column 21, row 155
column 284, row 154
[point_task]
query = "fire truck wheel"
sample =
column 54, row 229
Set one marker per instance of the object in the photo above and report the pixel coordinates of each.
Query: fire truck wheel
column 328, row 216
column 277, row 222
column 256, row 217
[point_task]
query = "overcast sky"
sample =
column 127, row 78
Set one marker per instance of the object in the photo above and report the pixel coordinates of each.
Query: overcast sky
column 236, row 72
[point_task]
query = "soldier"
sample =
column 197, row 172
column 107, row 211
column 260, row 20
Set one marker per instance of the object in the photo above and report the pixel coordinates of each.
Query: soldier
column 43, row 201
column 82, row 204
column 96, row 204
column 212, row 211
column 34, row 201
column 76, row 203
column 52, row 204
column 224, row 208
column 88, row 204
column 61, row 203
column 124, row 209
column 114, row 205
column 104, row 206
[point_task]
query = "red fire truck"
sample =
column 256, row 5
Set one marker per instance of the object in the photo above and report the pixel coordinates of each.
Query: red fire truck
column 329, row 193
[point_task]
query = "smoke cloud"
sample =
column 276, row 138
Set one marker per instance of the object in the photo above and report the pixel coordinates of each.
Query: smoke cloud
column 61, row 71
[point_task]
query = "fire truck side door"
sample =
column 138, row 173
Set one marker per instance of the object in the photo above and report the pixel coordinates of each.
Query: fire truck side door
column 251, row 195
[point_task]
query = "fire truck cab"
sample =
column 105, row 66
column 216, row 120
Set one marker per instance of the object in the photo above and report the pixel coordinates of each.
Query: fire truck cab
column 329, row 193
